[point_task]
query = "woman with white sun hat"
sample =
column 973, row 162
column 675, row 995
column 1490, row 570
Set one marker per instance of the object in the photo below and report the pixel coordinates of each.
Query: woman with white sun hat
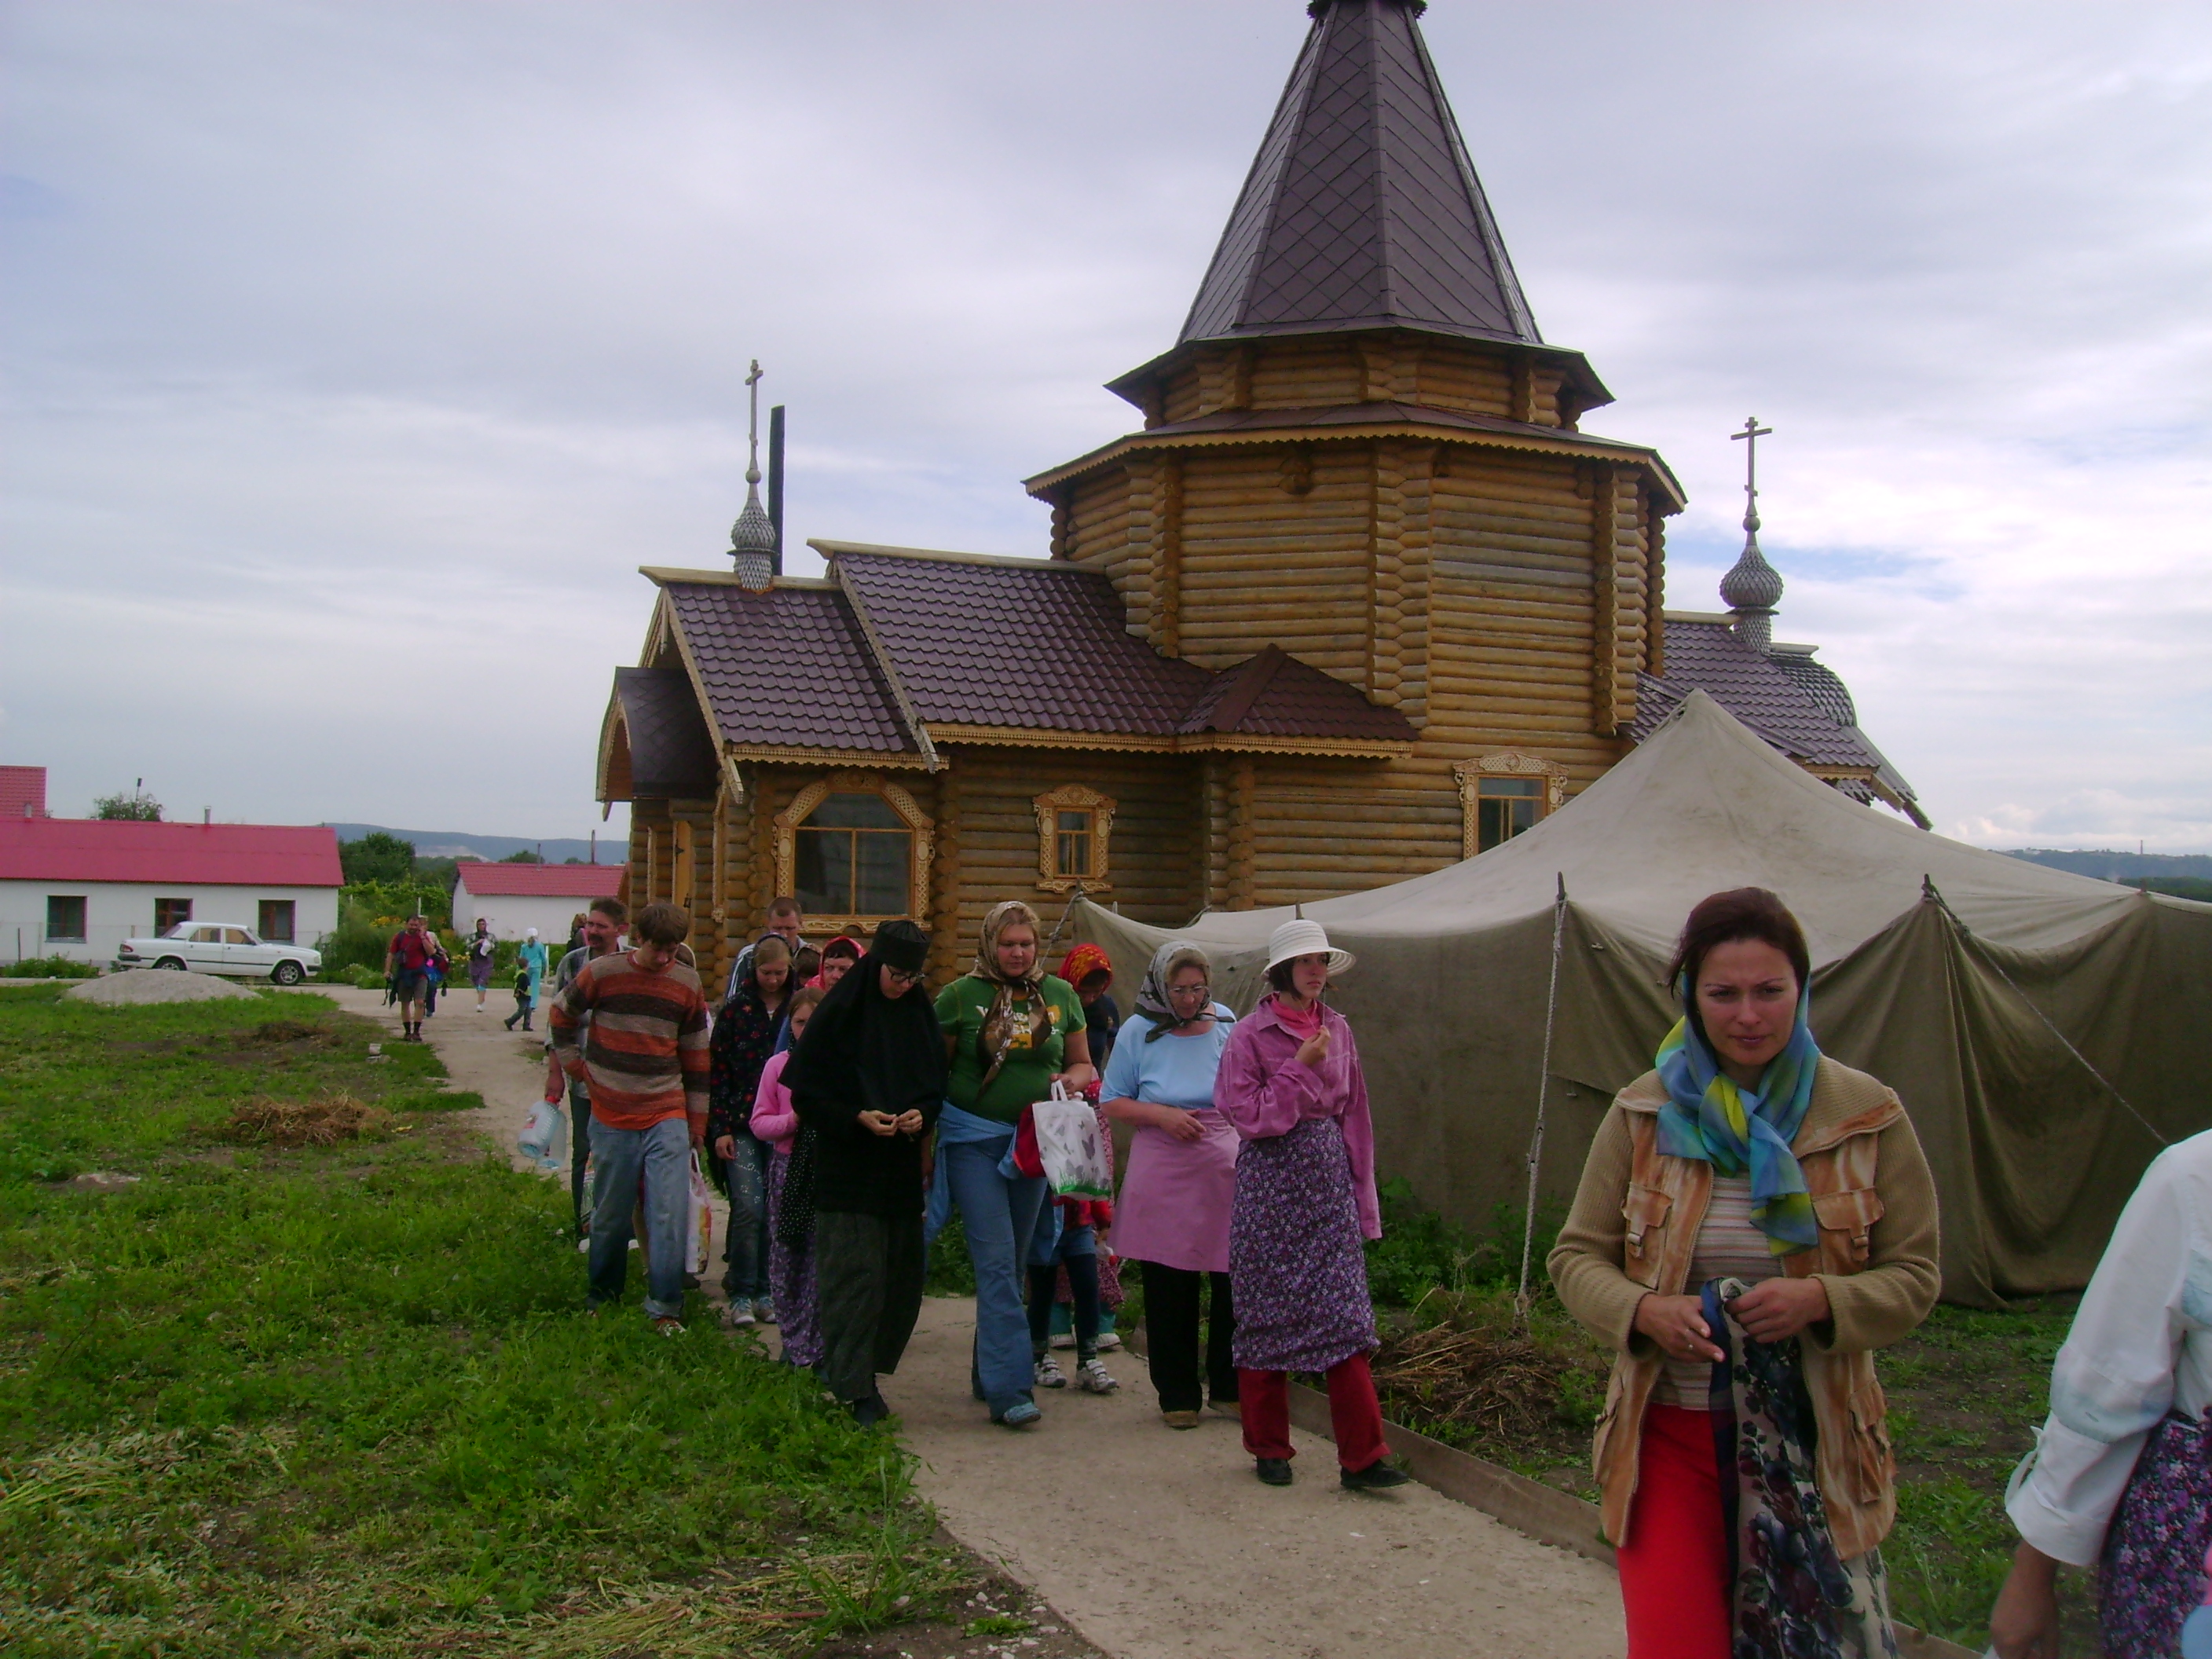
column 1290, row 1082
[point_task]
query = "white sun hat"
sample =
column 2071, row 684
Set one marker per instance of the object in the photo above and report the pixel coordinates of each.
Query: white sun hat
column 1305, row 939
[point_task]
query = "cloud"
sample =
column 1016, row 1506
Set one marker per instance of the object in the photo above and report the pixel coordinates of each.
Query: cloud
column 356, row 357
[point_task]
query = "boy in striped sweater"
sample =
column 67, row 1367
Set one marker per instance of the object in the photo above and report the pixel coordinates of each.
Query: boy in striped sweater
column 631, row 1026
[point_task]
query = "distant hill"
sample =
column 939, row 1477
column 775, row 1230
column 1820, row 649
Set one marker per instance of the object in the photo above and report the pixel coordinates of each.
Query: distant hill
column 453, row 844
column 2110, row 865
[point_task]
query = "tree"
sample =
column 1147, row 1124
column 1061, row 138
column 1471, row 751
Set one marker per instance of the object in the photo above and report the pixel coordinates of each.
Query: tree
column 137, row 807
column 526, row 856
column 377, row 856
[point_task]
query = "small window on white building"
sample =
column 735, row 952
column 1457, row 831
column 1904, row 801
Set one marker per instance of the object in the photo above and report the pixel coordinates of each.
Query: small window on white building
column 277, row 921
column 64, row 919
column 168, row 912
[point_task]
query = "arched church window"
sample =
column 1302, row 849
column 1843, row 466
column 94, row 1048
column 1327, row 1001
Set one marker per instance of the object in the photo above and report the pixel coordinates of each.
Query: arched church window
column 854, row 855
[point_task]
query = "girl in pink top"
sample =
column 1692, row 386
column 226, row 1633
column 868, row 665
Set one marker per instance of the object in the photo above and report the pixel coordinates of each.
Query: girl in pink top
column 790, row 1268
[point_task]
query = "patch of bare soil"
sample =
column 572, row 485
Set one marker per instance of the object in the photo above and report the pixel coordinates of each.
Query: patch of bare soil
column 322, row 1122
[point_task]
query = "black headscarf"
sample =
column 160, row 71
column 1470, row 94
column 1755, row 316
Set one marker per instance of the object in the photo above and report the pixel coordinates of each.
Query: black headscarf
column 865, row 1051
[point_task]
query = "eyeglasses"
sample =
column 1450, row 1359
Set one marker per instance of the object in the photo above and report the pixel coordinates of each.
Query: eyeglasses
column 900, row 976
column 1190, row 990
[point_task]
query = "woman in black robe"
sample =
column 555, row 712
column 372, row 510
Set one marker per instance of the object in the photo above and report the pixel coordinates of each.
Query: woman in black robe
column 867, row 1081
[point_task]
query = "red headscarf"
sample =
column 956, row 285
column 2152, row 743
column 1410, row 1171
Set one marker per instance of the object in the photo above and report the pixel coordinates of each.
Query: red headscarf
column 1084, row 960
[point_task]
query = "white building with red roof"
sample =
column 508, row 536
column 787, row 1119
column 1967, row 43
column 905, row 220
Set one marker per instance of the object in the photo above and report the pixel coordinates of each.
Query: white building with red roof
column 516, row 897
column 79, row 887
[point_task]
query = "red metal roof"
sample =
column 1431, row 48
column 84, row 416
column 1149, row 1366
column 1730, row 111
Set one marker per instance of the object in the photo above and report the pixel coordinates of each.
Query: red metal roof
column 186, row 855
column 22, row 786
column 581, row 881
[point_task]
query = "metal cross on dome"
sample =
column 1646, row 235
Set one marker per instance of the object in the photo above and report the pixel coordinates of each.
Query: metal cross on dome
column 1750, row 437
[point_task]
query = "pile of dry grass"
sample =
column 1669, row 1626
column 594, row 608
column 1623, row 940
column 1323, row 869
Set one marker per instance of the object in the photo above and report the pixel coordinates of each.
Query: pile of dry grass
column 273, row 1032
column 309, row 1123
column 1499, row 1384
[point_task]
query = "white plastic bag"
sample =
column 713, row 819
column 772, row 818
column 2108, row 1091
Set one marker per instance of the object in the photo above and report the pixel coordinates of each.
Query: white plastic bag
column 1070, row 1147
column 700, row 1234
column 542, row 1133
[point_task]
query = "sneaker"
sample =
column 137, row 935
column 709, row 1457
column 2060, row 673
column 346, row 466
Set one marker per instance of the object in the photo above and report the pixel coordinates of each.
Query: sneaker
column 1091, row 1377
column 691, row 1281
column 1272, row 1471
column 764, row 1311
column 667, row 1325
column 1049, row 1374
column 1377, row 1476
column 737, row 1315
column 1108, row 1342
column 1019, row 1415
column 1180, row 1419
column 1064, row 1340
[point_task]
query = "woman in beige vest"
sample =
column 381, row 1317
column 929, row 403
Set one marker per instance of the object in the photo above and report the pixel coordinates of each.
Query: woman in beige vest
column 1754, row 1221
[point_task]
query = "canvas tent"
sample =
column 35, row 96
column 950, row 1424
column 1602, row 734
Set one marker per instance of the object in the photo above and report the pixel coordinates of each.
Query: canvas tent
column 1914, row 939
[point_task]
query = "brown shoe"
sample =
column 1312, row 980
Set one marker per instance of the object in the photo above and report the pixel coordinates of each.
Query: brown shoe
column 1229, row 1408
column 1180, row 1419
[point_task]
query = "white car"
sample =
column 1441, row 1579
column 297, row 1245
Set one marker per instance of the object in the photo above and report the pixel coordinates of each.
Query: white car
column 220, row 947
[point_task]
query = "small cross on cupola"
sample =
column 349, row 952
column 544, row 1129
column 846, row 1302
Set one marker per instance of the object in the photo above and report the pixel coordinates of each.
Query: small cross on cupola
column 752, row 537
column 1752, row 588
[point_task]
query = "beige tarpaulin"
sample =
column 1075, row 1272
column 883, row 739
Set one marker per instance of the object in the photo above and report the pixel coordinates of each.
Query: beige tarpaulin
column 1913, row 937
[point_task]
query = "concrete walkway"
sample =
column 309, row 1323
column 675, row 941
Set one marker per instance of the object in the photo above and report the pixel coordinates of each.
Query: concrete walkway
column 1154, row 1544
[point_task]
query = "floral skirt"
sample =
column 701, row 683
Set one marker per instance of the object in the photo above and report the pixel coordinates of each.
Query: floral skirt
column 1297, row 1266
column 2158, row 1550
column 791, row 1279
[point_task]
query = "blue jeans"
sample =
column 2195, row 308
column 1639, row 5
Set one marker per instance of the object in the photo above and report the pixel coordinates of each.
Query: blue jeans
column 660, row 1158
column 1000, row 1217
column 744, row 1241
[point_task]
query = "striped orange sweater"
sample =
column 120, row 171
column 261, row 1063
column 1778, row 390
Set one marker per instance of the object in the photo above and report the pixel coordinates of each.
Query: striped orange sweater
column 636, row 1040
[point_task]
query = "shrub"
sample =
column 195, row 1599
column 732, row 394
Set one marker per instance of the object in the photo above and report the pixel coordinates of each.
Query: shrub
column 49, row 967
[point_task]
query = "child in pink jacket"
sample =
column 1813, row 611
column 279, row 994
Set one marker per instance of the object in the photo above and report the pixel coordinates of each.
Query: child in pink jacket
column 790, row 1266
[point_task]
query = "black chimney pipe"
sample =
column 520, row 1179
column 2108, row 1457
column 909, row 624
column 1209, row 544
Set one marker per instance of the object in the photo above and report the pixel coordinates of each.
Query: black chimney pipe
column 775, row 485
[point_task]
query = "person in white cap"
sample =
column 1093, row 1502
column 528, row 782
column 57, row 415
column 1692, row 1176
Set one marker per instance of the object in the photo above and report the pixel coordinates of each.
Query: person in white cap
column 1290, row 1082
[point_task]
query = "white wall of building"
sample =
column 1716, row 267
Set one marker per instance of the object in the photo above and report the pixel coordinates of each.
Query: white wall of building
column 115, row 911
column 510, row 914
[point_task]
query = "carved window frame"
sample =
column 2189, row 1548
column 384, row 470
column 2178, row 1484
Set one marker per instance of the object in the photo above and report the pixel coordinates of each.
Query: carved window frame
column 1505, row 763
column 1073, row 798
column 788, row 821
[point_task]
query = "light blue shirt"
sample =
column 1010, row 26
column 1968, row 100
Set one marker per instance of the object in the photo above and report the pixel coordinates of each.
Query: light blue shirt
column 1174, row 1071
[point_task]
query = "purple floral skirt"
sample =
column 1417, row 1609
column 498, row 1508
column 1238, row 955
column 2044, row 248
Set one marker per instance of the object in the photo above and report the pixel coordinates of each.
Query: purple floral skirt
column 791, row 1279
column 2159, row 1547
column 1296, row 1264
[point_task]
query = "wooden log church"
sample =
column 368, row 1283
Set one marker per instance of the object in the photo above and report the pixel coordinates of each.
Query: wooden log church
column 1360, row 597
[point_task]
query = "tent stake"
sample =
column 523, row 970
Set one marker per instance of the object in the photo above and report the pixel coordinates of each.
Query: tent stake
column 1543, row 1097
column 1928, row 890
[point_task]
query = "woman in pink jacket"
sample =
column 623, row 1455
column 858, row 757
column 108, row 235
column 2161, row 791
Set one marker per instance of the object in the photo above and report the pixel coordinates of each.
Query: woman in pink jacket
column 790, row 1268
column 1290, row 1082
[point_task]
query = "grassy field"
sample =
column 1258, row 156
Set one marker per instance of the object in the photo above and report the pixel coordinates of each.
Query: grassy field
column 342, row 1399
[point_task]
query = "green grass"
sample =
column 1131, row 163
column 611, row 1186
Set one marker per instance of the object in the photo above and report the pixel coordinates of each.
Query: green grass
column 345, row 1401
column 49, row 967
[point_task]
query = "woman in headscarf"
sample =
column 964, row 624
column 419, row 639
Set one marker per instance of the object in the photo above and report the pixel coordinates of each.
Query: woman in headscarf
column 1173, row 1213
column 838, row 957
column 2121, row 1476
column 1290, row 1083
column 868, row 1083
column 1754, row 1219
column 1091, row 971
column 1012, row 1031
column 746, row 1030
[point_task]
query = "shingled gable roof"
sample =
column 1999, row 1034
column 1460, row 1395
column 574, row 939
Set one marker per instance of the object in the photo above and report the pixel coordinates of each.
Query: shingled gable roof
column 1275, row 694
column 1800, row 706
column 1362, row 209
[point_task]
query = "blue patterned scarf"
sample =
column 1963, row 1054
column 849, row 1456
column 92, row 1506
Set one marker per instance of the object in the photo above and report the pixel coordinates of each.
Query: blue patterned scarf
column 1708, row 1116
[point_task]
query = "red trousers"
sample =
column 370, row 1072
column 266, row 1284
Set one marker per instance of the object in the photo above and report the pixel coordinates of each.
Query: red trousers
column 1675, row 1568
column 1354, row 1414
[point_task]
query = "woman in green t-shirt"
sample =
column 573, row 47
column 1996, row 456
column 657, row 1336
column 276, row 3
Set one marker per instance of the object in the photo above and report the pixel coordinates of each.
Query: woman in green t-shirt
column 1012, row 1031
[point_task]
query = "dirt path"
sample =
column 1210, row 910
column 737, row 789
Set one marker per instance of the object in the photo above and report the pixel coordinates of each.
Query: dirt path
column 1156, row 1545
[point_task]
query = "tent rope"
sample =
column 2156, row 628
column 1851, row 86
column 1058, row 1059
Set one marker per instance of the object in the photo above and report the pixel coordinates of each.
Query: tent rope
column 1929, row 890
column 1543, row 1100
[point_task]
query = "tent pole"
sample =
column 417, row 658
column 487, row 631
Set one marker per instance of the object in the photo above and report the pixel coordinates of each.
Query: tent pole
column 1928, row 890
column 1074, row 900
column 1543, row 1097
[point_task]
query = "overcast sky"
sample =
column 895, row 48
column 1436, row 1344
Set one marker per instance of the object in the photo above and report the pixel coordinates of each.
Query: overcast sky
column 357, row 355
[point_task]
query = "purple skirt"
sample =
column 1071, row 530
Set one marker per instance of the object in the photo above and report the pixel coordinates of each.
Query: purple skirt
column 2158, row 1550
column 1296, row 1264
column 791, row 1279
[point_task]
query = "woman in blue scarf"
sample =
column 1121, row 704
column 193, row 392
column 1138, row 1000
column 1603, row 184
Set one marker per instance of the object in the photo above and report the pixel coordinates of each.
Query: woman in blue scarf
column 1754, row 1219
